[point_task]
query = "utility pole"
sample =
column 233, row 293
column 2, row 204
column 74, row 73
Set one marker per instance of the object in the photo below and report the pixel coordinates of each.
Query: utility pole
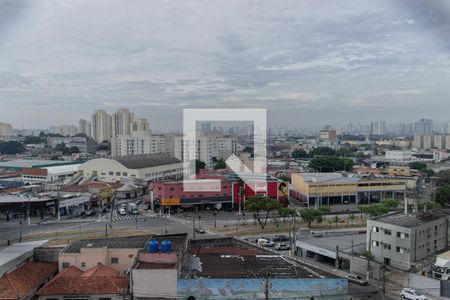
column 20, row 233
column 106, row 230
column 193, row 227
column 267, row 284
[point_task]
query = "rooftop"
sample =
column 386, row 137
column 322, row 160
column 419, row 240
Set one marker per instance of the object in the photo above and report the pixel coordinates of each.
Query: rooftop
column 327, row 178
column 147, row 161
column 128, row 242
column 10, row 254
column 32, row 163
column 100, row 279
column 20, row 282
column 411, row 220
column 133, row 242
column 233, row 258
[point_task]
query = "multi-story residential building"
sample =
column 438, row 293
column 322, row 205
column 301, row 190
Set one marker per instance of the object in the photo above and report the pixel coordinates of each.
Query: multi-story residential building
column 128, row 145
column 140, row 127
column 378, row 127
column 121, row 121
column 398, row 155
column 208, row 148
column 83, row 127
column 101, row 126
column 428, row 142
column 64, row 129
column 5, row 130
column 328, row 134
column 423, row 127
column 337, row 188
column 402, row 240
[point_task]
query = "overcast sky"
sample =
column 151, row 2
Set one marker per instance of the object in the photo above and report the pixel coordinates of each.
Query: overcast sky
column 307, row 62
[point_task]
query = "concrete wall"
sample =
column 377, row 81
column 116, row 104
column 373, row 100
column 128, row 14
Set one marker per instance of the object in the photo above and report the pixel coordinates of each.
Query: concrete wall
column 148, row 283
column 428, row 285
column 285, row 288
column 91, row 257
column 91, row 297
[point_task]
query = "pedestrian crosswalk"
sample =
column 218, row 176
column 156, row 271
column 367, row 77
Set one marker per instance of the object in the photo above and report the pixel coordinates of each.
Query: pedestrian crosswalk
column 131, row 217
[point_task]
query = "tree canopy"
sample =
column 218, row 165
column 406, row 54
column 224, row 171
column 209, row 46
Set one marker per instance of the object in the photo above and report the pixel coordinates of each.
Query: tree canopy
column 261, row 206
column 11, row 147
column 310, row 215
column 331, row 164
column 443, row 195
column 199, row 165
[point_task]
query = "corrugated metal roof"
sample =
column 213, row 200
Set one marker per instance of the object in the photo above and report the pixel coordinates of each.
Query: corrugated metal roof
column 147, row 161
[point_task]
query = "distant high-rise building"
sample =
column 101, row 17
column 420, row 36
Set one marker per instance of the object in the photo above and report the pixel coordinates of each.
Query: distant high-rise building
column 121, row 122
column 101, row 126
column 423, row 127
column 83, row 126
column 378, row 128
column 5, row 129
column 140, row 127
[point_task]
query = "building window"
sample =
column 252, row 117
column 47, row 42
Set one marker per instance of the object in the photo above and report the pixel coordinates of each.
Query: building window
column 376, row 229
column 124, row 173
column 387, row 232
column 114, row 260
column 375, row 243
column 387, row 246
column 402, row 235
column 111, row 173
column 65, row 265
column 117, row 173
column 400, row 250
column 83, row 264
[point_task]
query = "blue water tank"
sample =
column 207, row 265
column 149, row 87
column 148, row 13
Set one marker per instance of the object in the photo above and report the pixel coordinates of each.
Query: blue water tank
column 153, row 246
column 166, row 246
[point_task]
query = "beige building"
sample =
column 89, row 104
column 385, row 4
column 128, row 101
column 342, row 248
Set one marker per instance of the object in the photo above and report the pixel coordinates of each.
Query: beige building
column 337, row 188
column 5, row 129
column 148, row 168
column 119, row 253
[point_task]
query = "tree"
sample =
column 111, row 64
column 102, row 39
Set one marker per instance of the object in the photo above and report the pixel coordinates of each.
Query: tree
column 336, row 220
column 442, row 195
column 220, row 164
column 390, row 203
column 373, row 210
column 30, row 140
column 351, row 219
column 322, row 151
column 199, row 165
column 285, row 212
column 261, row 206
column 422, row 167
column 444, row 178
column 331, row 164
column 299, row 153
column 309, row 215
column 11, row 147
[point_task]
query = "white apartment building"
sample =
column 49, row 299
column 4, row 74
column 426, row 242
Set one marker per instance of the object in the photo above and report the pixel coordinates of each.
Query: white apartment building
column 208, row 148
column 398, row 155
column 128, row 145
column 5, row 129
column 101, row 126
column 121, row 122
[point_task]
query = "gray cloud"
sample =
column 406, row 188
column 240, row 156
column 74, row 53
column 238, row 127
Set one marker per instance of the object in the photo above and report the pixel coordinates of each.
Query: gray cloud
column 338, row 61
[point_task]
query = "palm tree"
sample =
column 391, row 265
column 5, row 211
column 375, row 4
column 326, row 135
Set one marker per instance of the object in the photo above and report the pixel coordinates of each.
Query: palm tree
column 351, row 218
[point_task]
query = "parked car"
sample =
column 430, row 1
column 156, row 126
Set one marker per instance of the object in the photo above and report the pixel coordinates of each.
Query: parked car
column 357, row 279
column 282, row 246
column 122, row 211
column 281, row 238
column 199, row 230
column 412, row 294
column 265, row 243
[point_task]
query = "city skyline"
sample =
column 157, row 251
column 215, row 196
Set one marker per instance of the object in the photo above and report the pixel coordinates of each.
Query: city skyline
column 372, row 59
